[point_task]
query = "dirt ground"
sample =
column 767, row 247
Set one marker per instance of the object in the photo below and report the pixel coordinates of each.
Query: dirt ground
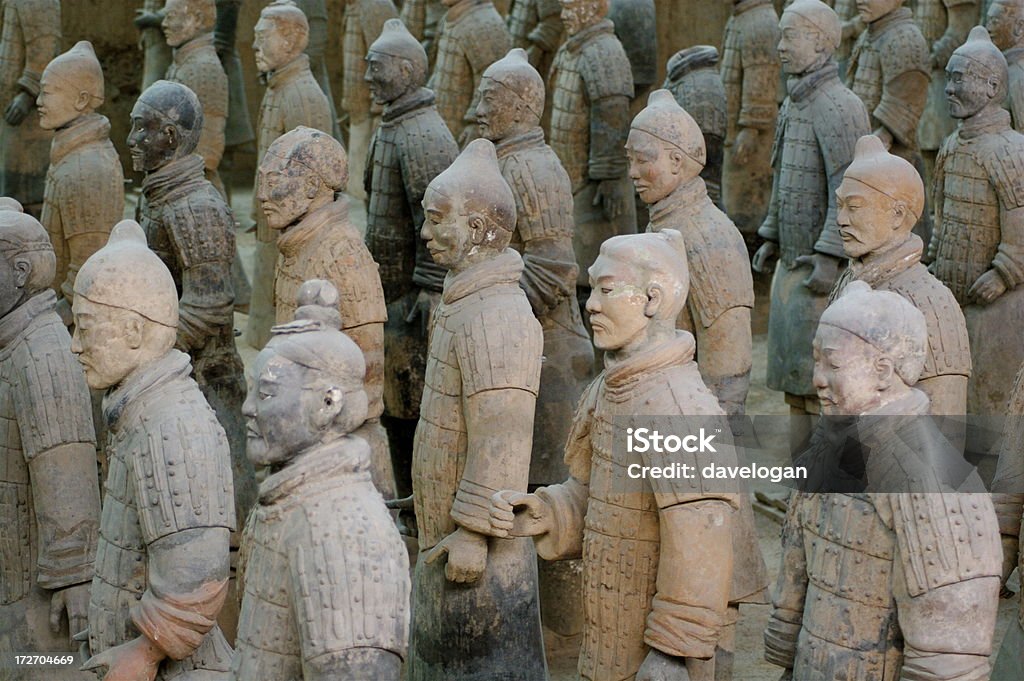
column 749, row 665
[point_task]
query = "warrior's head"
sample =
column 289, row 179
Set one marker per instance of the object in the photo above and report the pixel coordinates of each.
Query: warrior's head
column 976, row 76
column 167, row 120
column 301, row 172
column 125, row 308
column 281, row 35
column 185, row 20
column 307, row 383
column 396, row 63
column 811, row 33
column 665, row 148
column 511, row 97
column 71, row 86
column 868, row 351
column 870, row 11
column 580, row 14
column 1005, row 23
column 28, row 265
column 469, row 210
column 639, row 285
column 880, row 200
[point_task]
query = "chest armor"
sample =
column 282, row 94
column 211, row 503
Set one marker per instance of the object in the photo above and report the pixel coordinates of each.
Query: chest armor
column 533, row 174
column 969, row 235
column 931, row 16
column 849, row 626
column 390, row 233
column 570, row 117
column 354, row 48
column 522, row 19
column 868, row 78
column 269, row 121
column 802, row 184
column 17, row 521
column 452, row 80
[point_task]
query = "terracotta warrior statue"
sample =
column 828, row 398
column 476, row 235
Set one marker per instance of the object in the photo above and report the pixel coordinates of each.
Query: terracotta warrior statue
column 474, row 602
column 819, row 125
column 188, row 26
column 84, row 194
column 189, row 225
column 636, row 28
column 326, row 572
column 238, row 131
column 409, row 149
column 536, row 26
column 1005, row 24
column 29, row 40
column 167, row 508
column 364, row 21
column 316, row 49
column 293, row 98
column 879, row 201
column 978, row 246
column 590, row 85
column 694, row 81
column 49, row 475
column 156, row 53
column 422, row 18
column 666, row 155
column 899, row 580
column 750, row 71
column 471, row 37
column 301, row 174
column 661, row 616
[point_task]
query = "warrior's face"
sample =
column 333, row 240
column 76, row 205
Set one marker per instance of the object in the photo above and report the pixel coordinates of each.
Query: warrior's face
column 579, row 14
column 969, row 87
column 873, row 10
column 446, row 230
column 272, row 45
column 59, row 101
column 153, row 140
column 180, row 23
column 1005, row 23
column 801, row 45
column 656, row 169
column 850, row 375
column 618, row 305
column 284, row 190
column 107, row 341
column 388, row 77
column 869, row 221
column 501, row 111
column 280, row 410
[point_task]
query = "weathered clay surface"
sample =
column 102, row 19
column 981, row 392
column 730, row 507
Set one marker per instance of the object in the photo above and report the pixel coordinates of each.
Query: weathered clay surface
column 819, row 125
column 156, row 52
column 162, row 565
column 325, row 572
column 318, row 241
column 190, row 226
column 880, row 199
column 861, row 591
column 293, row 98
column 471, row 37
column 409, row 149
column 666, row 153
column 316, row 49
column 636, row 28
column 979, row 225
column 84, row 193
column 1004, row 23
column 238, row 126
column 536, row 26
column 30, row 38
column 51, row 513
column 475, row 612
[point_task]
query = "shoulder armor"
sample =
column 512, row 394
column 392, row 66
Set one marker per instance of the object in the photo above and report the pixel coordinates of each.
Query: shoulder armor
column 577, row 446
column 361, row 299
column 543, row 193
column 605, row 69
column 201, row 226
column 948, row 343
column 501, row 346
column 205, row 76
column 760, row 27
column 840, row 119
column 1004, row 161
column 484, row 38
column 903, row 49
column 426, row 148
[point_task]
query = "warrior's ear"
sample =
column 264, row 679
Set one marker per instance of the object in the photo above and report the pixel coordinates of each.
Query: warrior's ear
column 173, row 138
column 330, row 406
column 885, row 373
column 655, row 300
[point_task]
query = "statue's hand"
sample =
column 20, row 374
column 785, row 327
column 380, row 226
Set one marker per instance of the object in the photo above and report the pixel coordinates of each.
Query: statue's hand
column 658, row 666
column 75, row 601
column 743, row 148
column 136, row 660
column 532, row 518
column 19, row 108
column 467, row 555
column 612, row 196
column 987, row 288
column 768, row 251
column 824, row 273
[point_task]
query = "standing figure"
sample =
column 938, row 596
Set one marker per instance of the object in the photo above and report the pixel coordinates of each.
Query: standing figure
column 694, row 81
column 316, row 50
column 293, row 98
column 475, row 614
column 52, row 517
column 188, row 26
column 84, row 195
column 900, row 579
column 301, row 174
column 238, row 127
column 189, row 225
column 156, row 53
column 978, row 246
column 536, row 26
column 591, row 83
column 653, row 609
column 364, row 21
column 750, row 71
column 471, row 37
column 326, row 573
column 818, row 127
column 636, row 28
column 162, row 563
column 879, row 201
column 1005, row 24
column 666, row 155
column 409, row 149
column 29, row 40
